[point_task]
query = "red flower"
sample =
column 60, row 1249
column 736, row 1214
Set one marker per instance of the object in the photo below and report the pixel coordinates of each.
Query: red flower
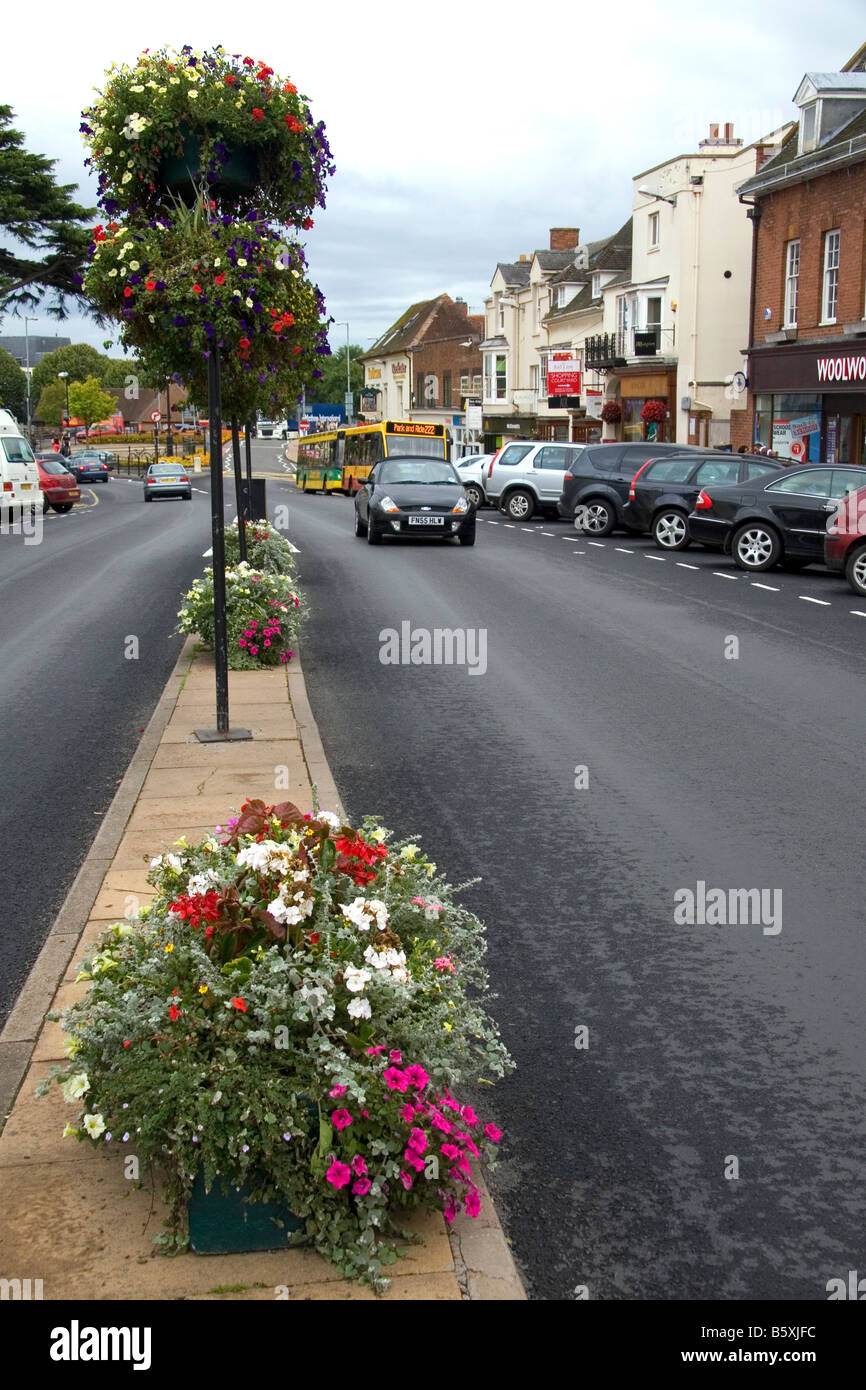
column 127, row 1043
column 296, row 350
column 127, row 292
column 98, row 233
column 314, row 937
column 273, row 313
column 292, row 123
column 287, row 320
column 308, row 222
column 278, row 328
column 231, row 80
column 219, row 279
column 196, row 907
column 289, row 87
column 196, row 289
column 239, row 1005
column 249, row 63
column 264, row 72
column 173, row 1012
column 258, row 113
column 150, row 284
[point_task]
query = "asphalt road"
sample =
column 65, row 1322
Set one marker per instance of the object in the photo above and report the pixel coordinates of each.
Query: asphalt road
column 645, row 723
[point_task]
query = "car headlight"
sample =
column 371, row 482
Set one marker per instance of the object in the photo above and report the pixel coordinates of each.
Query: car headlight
column 462, row 505
column 388, row 504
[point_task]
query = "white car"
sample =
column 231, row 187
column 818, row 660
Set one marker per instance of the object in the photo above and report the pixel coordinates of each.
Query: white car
column 472, row 469
column 19, row 474
column 526, row 476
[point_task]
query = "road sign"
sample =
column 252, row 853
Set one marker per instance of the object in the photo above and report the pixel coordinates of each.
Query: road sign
column 349, row 404
column 156, row 416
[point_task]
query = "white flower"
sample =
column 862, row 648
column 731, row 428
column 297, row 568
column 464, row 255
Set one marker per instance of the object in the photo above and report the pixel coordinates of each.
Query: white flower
column 127, row 176
column 258, row 856
column 71, row 1046
column 201, row 883
column 378, row 833
column 248, row 302
column 192, row 94
column 95, row 1125
column 408, row 852
column 365, row 912
column 359, row 1008
column 241, row 262
column 401, row 976
column 175, row 81
column 330, row 819
column 76, row 1086
column 134, row 265
column 356, row 979
column 112, row 272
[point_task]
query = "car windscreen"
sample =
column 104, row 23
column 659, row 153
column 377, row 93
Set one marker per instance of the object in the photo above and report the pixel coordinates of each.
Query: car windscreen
column 418, row 470
column 16, row 449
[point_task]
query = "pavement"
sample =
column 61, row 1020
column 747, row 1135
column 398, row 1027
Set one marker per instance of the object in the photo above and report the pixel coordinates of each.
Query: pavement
column 71, row 1218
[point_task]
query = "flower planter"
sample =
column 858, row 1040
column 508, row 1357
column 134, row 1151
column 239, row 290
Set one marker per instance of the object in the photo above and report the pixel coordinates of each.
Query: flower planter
column 182, row 172
column 225, row 1222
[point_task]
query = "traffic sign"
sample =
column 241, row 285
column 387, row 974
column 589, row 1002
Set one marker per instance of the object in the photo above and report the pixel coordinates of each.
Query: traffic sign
column 156, row 416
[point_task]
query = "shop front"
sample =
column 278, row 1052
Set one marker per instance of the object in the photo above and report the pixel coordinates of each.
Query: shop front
column 635, row 390
column 810, row 401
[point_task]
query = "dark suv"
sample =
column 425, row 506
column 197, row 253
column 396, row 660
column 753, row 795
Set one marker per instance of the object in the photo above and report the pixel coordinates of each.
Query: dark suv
column 595, row 489
column 664, row 491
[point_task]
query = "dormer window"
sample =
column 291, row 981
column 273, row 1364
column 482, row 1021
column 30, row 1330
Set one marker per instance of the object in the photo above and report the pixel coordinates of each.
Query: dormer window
column 596, row 284
column 560, row 296
column 809, row 128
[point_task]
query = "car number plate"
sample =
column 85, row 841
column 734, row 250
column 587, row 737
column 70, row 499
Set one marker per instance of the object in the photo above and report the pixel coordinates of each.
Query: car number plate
column 25, row 487
column 426, row 520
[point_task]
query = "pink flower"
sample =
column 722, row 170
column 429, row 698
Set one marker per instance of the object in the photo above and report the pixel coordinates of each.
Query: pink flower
column 419, row 901
column 493, row 1133
column 418, row 1140
column 469, row 1115
column 339, row 1174
column 341, row 1118
column 444, row 963
column 374, row 1051
column 467, row 1140
column 439, row 1122
column 361, row 1186
column 396, row 1080
column 446, row 1100
column 406, row 1180
column 472, row 1202
column 337, row 1091
column 451, row 1151
column 408, row 1114
column 254, row 651
column 465, row 1166
column 450, row 1209
column 359, row 1167
column 366, row 1114
column 396, row 1056
column 418, row 1076
column 415, row 1161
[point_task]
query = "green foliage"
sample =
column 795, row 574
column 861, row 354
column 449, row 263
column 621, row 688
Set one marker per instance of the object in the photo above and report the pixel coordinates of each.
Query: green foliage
column 267, row 551
column 331, row 388
column 80, row 360
column 51, row 406
column 293, row 1011
column 13, row 385
column 261, row 616
column 117, row 369
column 88, row 402
column 37, row 215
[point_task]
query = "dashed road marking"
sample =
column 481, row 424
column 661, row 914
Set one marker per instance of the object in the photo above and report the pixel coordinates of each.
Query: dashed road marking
column 681, row 564
column 530, row 529
column 601, row 545
column 807, row 598
column 548, row 533
column 621, row 550
column 491, row 523
column 720, row 574
column 857, row 613
column 661, row 558
column 771, row 588
column 578, row 552
column 509, row 526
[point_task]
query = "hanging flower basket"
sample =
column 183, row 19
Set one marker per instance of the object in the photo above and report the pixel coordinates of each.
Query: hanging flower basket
column 653, row 412
column 179, row 120
column 611, row 412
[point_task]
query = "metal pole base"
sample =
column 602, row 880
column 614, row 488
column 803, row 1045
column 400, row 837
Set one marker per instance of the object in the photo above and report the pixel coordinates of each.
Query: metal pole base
column 220, row 736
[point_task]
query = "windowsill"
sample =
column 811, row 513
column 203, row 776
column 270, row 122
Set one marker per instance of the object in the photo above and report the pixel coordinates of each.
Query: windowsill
column 651, row 250
column 827, row 323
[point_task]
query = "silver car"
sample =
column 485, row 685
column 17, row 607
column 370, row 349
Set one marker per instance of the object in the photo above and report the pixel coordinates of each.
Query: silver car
column 167, row 480
column 526, row 476
column 473, row 470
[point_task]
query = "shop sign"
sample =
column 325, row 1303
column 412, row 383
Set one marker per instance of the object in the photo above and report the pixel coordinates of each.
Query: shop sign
column 790, row 437
column 594, row 402
column 374, row 373
column 398, row 368
column 842, row 368
column 563, row 374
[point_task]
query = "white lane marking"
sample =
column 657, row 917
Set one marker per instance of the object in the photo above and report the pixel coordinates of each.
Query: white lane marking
column 621, row 550
column 808, row 599
column 720, row 574
column 508, row 525
column 578, row 552
column 772, row 588
column 548, row 533
column 202, row 490
column 530, row 529
column 491, row 523
column 857, row 613
column 683, row 566
column 660, row 558
column 601, row 545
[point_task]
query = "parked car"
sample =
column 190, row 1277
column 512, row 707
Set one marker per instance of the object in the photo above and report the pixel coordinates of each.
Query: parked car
column 19, row 474
column 525, row 476
column 167, row 480
column 664, row 491
column 59, row 488
column 408, row 495
column 845, row 541
column 473, row 471
column 783, row 520
column 595, row 490
column 87, row 467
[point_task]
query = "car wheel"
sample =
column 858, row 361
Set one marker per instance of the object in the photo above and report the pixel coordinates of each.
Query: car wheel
column 467, row 537
column 147, row 499
column 62, row 506
column 475, row 495
column 599, row 518
column 855, row 569
column 756, row 547
column 360, row 528
column 670, row 531
column 519, row 505
column 374, row 535
column 46, row 504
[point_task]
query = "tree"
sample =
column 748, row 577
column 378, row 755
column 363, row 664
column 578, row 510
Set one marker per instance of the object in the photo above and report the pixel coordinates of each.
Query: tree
column 13, row 386
column 80, row 360
column 38, row 216
column 118, row 369
column 331, row 388
column 88, row 401
column 51, row 406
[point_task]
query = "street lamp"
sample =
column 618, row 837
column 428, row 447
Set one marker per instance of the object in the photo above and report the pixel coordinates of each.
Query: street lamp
column 340, row 323
column 27, row 368
column 64, row 376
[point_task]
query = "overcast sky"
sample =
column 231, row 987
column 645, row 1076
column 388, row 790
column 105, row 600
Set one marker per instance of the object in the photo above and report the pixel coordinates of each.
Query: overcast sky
column 461, row 131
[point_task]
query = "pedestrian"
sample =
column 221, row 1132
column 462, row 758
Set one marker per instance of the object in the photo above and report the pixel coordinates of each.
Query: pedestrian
column 742, row 449
column 64, row 448
column 55, row 443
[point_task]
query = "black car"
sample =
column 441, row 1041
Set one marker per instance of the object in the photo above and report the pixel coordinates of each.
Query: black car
column 414, row 496
column 783, row 519
column 595, row 489
column 664, row 491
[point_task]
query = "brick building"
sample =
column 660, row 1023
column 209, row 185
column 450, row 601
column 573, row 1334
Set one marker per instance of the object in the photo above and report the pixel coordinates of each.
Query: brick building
column 425, row 365
column 807, row 351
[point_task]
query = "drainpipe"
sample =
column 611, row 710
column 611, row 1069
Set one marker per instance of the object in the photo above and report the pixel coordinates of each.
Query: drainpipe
column 753, row 212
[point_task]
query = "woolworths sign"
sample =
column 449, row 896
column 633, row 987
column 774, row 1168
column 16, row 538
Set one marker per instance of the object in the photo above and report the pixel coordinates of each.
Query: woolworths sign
column 842, row 368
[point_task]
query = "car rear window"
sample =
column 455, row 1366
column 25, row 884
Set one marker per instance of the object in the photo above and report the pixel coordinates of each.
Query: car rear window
column 674, row 470
column 717, row 471
column 52, row 466
column 513, row 453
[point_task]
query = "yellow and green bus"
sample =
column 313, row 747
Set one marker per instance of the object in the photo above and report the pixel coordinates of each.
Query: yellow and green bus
column 339, row 460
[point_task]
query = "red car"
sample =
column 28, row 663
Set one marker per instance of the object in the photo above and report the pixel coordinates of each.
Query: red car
column 845, row 541
column 59, row 488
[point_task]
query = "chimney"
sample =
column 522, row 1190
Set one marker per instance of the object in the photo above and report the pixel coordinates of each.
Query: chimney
column 714, row 138
column 714, row 132
column 729, row 132
column 523, row 255
column 564, row 238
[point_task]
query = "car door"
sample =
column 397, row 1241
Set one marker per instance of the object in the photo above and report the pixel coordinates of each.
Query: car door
column 837, row 509
column 362, row 501
column 669, row 478
column 508, row 467
column 797, row 502
column 549, row 466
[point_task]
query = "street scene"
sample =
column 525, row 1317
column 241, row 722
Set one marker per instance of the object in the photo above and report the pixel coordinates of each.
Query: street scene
column 479, row 918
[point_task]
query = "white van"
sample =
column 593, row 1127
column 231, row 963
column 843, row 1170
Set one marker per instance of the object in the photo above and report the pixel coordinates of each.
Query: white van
column 19, row 475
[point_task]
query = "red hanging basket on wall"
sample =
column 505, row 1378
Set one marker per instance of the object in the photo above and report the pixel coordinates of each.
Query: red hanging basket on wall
column 653, row 412
column 611, row 412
